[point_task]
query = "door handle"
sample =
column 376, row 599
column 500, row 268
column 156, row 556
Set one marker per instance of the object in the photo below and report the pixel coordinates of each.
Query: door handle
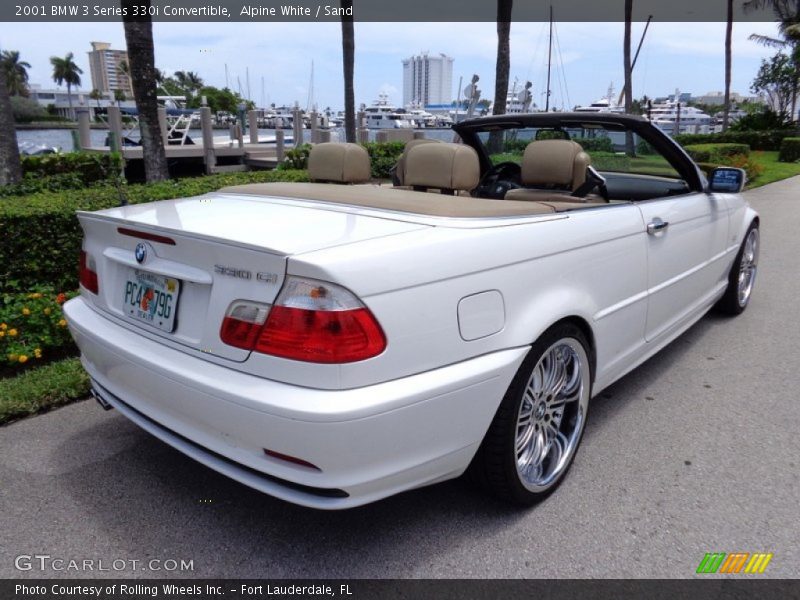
column 656, row 225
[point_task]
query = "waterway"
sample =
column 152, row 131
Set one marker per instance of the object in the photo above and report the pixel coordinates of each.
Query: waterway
column 62, row 138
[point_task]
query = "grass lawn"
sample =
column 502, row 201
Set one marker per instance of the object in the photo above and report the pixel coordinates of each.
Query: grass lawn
column 42, row 388
column 773, row 170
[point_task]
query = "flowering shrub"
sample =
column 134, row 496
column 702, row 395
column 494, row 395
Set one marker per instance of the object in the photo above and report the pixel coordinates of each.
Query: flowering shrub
column 32, row 327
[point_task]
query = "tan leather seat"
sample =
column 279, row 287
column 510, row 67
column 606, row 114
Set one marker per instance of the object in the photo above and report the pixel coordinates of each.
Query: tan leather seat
column 446, row 167
column 551, row 171
column 399, row 174
column 338, row 163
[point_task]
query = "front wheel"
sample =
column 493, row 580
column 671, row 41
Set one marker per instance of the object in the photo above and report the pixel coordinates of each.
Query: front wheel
column 535, row 434
column 742, row 277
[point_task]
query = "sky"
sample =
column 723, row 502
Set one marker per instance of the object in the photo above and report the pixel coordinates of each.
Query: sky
column 587, row 56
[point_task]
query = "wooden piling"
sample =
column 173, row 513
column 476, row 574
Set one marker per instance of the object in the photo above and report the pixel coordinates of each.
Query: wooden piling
column 314, row 128
column 162, row 123
column 252, row 123
column 84, row 129
column 208, row 139
column 279, row 147
column 115, row 126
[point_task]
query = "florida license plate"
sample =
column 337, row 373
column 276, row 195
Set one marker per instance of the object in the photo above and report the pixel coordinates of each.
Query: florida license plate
column 151, row 298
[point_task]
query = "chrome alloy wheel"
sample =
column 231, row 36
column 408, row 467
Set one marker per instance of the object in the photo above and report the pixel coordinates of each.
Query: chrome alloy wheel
column 552, row 414
column 748, row 266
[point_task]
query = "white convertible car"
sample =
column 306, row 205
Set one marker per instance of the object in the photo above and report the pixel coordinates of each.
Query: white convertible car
column 336, row 342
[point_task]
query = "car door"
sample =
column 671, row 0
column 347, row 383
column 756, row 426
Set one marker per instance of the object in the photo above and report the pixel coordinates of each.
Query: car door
column 686, row 238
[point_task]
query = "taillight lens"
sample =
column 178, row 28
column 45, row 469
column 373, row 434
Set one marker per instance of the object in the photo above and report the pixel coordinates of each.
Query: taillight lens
column 88, row 275
column 242, row 324
column 311, row 321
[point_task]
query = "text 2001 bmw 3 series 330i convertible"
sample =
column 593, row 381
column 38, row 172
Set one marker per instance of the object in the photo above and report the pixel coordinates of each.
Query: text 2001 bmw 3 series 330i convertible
column 336, row 342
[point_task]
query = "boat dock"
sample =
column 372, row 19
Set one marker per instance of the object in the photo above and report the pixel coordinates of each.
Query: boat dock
column 235, row 152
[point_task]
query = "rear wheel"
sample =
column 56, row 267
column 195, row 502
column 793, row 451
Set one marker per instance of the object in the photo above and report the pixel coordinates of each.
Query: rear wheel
column 535, row 434
column 743, row 275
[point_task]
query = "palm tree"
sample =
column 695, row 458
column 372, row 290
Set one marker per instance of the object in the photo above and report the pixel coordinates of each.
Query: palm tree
column 125, row 69
column 629, row 145
column 96, row 95
column 787, row 13
column 141, row 62
column 10, row 167
column 728, row 60
column 66, row 71
column 503, row 65
column 348, row 65
column 119, row 97
column 16, row 71
column 502, row 68
column 189, row 81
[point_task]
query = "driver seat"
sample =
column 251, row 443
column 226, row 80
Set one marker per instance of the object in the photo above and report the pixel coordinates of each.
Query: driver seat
column 553, row 170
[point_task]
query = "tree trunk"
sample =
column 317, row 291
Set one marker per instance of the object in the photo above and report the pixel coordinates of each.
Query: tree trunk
column 728, row 35
column 629, row 145
column 141, row 65
column 348, row 65
column 69, row 99
column 502, row 68
column 10, row 168
column 503, row 56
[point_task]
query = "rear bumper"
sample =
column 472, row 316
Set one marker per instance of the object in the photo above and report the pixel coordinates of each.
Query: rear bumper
column 368, row 443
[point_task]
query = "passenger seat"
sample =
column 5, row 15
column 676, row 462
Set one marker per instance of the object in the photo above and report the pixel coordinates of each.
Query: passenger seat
column 334, row 162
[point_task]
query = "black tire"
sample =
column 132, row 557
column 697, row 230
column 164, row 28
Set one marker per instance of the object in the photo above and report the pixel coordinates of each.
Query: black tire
column 733, row 302
column 495, row 466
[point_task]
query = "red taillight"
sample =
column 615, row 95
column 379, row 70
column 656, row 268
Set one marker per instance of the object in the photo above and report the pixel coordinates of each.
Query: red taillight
column 88, row 276
column 321, row 336
column 311, row 321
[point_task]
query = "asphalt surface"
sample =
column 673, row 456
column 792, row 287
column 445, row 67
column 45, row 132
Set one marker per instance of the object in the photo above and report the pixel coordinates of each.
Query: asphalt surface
column 696, row 451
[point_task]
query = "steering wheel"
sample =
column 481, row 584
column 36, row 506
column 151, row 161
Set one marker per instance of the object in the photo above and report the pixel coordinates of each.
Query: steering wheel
column 498, row 180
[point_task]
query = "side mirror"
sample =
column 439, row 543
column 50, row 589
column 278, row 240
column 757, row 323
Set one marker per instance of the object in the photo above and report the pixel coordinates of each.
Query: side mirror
column 727, row 180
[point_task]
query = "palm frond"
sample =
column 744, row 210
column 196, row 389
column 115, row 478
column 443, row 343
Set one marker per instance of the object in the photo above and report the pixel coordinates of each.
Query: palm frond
column 768, row 41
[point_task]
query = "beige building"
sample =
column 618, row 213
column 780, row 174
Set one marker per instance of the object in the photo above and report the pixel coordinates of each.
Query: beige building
column 107, row 74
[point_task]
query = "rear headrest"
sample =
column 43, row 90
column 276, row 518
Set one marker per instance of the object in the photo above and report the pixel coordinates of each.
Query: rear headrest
column 555, row 162
column 338, row 162
column 399, row 173
column 442, row 166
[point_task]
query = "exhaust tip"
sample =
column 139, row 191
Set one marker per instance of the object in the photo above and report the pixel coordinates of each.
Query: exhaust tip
column 100, row 400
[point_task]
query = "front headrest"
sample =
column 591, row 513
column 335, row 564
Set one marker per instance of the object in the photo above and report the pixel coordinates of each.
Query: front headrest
column 554, row 162
column 338, row 162
column 399, row 174
column 442, row 166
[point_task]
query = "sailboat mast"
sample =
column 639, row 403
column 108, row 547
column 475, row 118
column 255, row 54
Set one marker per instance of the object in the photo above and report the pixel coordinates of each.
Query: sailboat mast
column 549, row 61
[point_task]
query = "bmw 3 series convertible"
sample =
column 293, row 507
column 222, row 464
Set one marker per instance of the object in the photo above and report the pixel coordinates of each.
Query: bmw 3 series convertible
column 335, row 342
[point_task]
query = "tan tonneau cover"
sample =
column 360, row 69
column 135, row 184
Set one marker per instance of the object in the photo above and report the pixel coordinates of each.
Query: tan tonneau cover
column 402, row 200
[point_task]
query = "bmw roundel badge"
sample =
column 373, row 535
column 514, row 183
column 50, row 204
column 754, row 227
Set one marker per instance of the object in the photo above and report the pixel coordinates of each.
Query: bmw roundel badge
column 141, row 253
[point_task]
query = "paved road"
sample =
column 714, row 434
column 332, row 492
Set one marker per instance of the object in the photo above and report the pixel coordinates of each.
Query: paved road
column 696, row 451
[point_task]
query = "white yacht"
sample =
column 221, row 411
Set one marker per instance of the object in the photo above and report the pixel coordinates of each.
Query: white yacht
column 606, row 104
column 382, row 115
column 673, row 116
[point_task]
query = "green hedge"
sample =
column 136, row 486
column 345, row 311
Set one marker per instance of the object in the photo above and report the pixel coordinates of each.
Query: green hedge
column 790, row 150
column 715, row 152
column 42, row 237
column 383, row 156
column 71, row 171
column 757, row 140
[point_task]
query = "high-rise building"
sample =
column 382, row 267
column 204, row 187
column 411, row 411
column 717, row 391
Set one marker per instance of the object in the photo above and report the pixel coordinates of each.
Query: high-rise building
column 428, row 79
column 107, row 73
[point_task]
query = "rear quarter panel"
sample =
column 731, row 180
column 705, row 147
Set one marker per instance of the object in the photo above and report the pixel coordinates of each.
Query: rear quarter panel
column 590, row 263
